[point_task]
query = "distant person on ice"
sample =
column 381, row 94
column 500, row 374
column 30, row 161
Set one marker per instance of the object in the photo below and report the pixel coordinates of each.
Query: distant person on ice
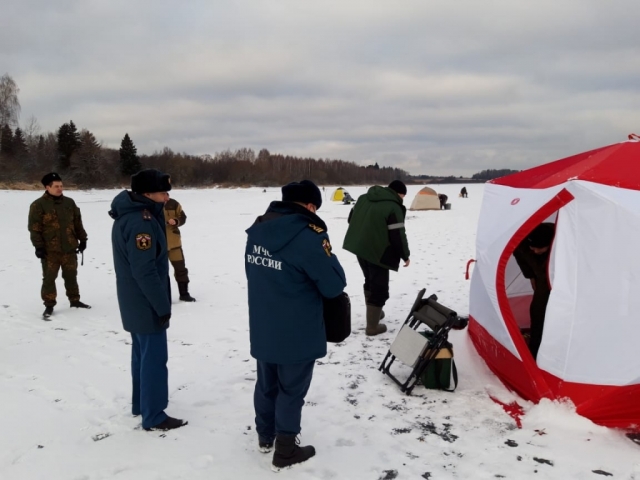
column 290, row 267
column 55, row 224
column 463, row 192
column 175, row 217
column 443, row 201
column 532, row 256
column 376, row 235
column 144, row 292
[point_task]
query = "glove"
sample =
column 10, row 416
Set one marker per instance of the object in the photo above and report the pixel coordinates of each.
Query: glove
column 83, row 246
column 164, row 320
column 41, row 252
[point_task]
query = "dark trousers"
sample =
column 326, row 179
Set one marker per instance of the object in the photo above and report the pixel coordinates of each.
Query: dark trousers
column 150, row 376
column 51, row 264
column 180, row 270
column 279, row 397
column 376, row 281
column 537, row 312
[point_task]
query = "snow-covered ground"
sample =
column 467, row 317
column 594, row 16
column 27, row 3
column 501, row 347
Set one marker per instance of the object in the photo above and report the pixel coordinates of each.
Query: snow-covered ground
column 65, row 384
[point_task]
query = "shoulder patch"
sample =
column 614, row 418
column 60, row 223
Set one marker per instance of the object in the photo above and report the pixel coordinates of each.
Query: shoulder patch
column 143, row 241
column 327, row 247
column 146, row 214
column 316, row 228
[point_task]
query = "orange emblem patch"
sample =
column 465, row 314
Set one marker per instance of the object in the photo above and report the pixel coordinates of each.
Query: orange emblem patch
column 143, row 241
column 327, row 247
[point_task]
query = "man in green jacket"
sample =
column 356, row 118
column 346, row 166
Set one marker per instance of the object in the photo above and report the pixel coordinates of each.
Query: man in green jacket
column 57, row 234
column 376, row 235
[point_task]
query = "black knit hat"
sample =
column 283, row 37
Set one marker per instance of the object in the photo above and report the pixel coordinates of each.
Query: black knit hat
column 304, row 192
column 542, row 235
column 49, row 178
column 398, row 187
column 150, row 181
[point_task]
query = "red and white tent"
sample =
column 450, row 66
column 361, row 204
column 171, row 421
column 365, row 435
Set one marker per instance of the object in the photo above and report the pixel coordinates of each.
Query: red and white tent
column 590, row 350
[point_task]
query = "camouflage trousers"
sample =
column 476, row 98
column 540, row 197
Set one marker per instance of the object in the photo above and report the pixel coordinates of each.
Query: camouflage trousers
column 53, row 262
column 180, row 271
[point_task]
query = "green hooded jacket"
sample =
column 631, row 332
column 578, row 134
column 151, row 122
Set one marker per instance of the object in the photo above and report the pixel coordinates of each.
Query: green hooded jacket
column 376, row 230
column 55, row 224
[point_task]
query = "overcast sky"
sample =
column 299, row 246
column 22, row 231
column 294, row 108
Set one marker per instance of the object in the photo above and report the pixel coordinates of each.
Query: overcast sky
column 431, row 86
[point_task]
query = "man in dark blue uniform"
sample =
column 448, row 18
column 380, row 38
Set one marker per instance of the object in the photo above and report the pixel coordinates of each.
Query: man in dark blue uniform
column 290, row 267
column 144, row 292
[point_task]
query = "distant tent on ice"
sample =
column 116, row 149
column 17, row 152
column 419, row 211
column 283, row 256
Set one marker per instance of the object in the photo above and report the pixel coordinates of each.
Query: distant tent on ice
column 426, row 199
column 589, row 349
column 339, row 194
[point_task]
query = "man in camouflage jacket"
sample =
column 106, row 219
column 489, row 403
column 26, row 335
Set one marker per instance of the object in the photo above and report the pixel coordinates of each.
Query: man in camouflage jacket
column 57, row 234
column 175, row 217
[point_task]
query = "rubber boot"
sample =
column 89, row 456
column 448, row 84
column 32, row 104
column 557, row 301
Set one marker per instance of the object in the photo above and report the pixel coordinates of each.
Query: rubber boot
column 289, row 453
column 374, row 327
column 183, row 288
column 367, row 295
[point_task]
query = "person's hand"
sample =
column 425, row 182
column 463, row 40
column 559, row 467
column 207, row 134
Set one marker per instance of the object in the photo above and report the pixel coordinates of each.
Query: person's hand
column 407, row 262
column 173, row 221
column 82, row 246
column 164, row 319
column 41, row 253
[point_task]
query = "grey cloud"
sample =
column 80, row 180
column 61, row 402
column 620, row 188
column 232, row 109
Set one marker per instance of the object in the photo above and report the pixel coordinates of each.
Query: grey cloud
column 434, row 87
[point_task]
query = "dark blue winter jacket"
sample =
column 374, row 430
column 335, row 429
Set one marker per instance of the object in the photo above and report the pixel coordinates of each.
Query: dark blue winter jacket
column 289, row 267
column 141, row 262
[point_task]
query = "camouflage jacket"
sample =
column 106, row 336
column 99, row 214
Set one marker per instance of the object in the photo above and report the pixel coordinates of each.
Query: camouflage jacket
column 55, row 223
column 172, row 209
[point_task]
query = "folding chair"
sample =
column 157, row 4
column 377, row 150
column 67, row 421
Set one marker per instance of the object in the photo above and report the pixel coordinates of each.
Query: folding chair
column 416, row 350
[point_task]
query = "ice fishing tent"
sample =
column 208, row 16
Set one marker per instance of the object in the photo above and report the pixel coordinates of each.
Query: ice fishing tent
column 338, row 195
column 426, row 199
column 589, row 350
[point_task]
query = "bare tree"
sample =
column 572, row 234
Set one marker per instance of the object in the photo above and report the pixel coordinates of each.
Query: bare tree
column 32, row 132
column 9, row 104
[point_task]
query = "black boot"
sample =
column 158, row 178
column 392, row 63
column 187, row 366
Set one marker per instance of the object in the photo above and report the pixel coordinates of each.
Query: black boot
column 47, row 313
column 289, row 453
column 79, row 304
column 183, row 288
column 265, row 445
column 169, row 423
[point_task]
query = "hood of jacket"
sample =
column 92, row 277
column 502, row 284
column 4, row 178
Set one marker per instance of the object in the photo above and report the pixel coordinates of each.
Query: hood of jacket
column 383, row 194
column 281, row 223
column 128, row 202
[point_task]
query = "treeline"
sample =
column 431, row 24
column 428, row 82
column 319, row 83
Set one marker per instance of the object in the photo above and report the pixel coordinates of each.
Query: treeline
column 83, row 161
column 490, row 174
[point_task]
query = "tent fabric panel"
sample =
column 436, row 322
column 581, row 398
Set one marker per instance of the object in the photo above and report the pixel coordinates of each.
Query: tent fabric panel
column 610, row 406
column 616, row 165
column 483, row 304
column 592, row 327
column 507, row 367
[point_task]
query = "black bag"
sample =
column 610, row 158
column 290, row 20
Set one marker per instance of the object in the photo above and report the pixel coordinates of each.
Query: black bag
column 337, row 317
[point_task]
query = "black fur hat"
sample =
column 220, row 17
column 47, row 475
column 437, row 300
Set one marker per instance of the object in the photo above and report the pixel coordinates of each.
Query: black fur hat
column 49, row 178
column 304, row 192
column 150, row 181
column 398, row 187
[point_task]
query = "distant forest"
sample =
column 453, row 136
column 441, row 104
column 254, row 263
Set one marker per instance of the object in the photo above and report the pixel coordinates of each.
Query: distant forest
column 27, row 153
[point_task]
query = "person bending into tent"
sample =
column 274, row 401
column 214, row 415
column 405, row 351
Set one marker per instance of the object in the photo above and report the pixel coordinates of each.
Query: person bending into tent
column 532, row 256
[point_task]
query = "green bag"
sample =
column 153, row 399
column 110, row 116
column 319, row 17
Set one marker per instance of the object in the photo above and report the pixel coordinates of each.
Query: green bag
column 437, row 375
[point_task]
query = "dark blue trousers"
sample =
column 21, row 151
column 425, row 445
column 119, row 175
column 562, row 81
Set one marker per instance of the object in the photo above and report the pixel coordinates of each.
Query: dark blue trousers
column 279, row 397
column 150, row 376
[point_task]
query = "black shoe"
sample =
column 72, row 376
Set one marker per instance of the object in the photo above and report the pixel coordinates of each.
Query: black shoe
column 265, row 446
column 169, row 423
column 79, row 304
column 288, row 453
column 187, row 298
column 47, row 313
